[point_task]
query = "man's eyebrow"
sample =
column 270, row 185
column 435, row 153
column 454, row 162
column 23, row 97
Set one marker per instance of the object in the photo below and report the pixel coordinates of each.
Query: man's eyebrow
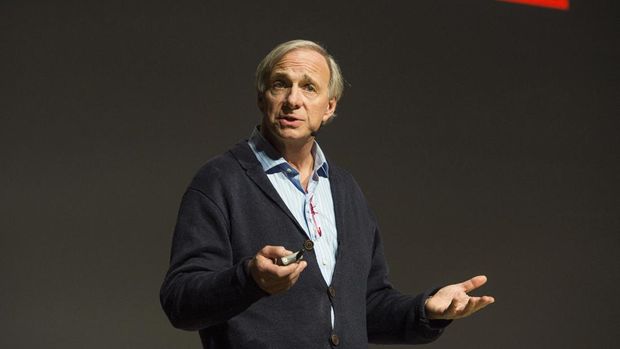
column 279, row 75
column 308, row 78
column 285, row 76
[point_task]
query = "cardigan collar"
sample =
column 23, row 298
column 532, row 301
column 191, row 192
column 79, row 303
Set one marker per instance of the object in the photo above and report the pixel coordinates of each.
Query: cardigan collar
column 254, row 170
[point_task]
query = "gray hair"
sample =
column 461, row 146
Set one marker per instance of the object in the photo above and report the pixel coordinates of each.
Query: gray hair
column 263, row 71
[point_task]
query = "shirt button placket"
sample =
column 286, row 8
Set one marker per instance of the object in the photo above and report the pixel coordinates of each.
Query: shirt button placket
column 331, row 293
column 309, row 216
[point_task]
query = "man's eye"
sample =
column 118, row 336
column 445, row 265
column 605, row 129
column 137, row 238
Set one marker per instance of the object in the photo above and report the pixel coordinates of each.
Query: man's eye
column 277, row 84
column 310, row 88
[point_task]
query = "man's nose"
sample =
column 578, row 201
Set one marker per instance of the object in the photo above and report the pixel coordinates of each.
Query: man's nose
column 293, row 99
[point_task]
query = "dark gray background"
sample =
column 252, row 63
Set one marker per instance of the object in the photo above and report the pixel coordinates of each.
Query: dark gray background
column 484, row 134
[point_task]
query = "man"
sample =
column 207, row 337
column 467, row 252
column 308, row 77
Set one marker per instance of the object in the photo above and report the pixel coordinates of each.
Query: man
column 275, row 195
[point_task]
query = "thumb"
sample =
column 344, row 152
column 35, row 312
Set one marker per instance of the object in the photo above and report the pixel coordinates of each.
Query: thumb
column 474, row 283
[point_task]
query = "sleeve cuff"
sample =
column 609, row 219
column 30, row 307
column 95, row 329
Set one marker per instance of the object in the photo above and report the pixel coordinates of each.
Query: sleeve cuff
column 432, row 327
column 249, row 288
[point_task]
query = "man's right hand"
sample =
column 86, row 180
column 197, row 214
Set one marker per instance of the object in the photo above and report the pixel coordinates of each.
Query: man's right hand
column 271, row 277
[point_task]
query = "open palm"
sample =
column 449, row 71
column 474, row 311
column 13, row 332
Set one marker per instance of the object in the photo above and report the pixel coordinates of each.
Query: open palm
column 452, row 301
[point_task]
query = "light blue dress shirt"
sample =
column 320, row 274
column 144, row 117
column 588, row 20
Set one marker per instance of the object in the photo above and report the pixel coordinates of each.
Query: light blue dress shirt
column 313, row 209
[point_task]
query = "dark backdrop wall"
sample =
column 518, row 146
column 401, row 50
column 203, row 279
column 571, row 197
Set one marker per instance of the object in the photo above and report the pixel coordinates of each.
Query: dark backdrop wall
column 484, row 134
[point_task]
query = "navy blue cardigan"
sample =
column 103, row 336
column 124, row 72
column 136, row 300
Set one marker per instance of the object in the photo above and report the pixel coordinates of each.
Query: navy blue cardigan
column 228, row 213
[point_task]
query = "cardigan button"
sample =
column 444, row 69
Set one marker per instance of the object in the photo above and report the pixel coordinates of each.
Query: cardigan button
column 308, row 245
column 332, row 291
column 334, row 339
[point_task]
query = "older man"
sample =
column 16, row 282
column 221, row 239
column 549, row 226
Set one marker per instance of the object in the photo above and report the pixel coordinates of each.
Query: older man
column 275, row 248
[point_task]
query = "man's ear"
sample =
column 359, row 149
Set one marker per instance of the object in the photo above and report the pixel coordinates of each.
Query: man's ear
column 329, row 112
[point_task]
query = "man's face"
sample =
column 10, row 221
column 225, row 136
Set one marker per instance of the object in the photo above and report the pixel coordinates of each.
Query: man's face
column 296, row 101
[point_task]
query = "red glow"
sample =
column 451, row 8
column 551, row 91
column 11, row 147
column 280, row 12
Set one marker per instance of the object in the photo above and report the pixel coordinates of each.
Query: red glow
column 555, row 4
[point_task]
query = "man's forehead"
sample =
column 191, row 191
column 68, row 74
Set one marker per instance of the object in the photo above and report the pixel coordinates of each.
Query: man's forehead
column 306, row 61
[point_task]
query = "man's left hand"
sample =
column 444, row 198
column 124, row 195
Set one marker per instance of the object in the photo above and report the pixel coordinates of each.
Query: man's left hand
column 453, row 302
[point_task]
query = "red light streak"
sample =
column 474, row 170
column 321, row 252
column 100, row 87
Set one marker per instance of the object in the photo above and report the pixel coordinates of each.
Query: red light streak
column 554, row 4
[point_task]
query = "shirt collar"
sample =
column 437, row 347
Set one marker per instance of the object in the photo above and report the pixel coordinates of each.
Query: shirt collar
column 272, row 161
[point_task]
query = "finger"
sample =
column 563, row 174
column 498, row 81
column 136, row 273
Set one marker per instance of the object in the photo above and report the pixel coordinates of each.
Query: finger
column 295, row 274
column 483, row 301
column 470, row 308
column 285, row 283
column 281, row 271
column 478, row 303
column 488, row 299
column 473, row 283
column 262, row 262
column 266, row 265
column 274, row 251
column 299, row 267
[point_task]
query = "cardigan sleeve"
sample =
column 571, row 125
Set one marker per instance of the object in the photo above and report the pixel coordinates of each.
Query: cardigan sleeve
column 393, row 317
column 203, row 287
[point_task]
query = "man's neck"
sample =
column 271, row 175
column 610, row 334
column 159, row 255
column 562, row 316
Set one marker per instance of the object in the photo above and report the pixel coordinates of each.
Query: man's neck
column 298, row 154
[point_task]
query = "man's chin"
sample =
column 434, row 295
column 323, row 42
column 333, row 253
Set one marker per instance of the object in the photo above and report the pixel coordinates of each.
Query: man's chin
column 294, row 136
column 292, row 133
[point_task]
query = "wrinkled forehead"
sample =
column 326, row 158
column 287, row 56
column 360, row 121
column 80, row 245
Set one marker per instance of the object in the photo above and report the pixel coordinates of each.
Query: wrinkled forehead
column 303, row 61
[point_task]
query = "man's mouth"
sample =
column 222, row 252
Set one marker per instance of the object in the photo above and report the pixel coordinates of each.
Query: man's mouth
column 289, row 121
column 289, row 118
